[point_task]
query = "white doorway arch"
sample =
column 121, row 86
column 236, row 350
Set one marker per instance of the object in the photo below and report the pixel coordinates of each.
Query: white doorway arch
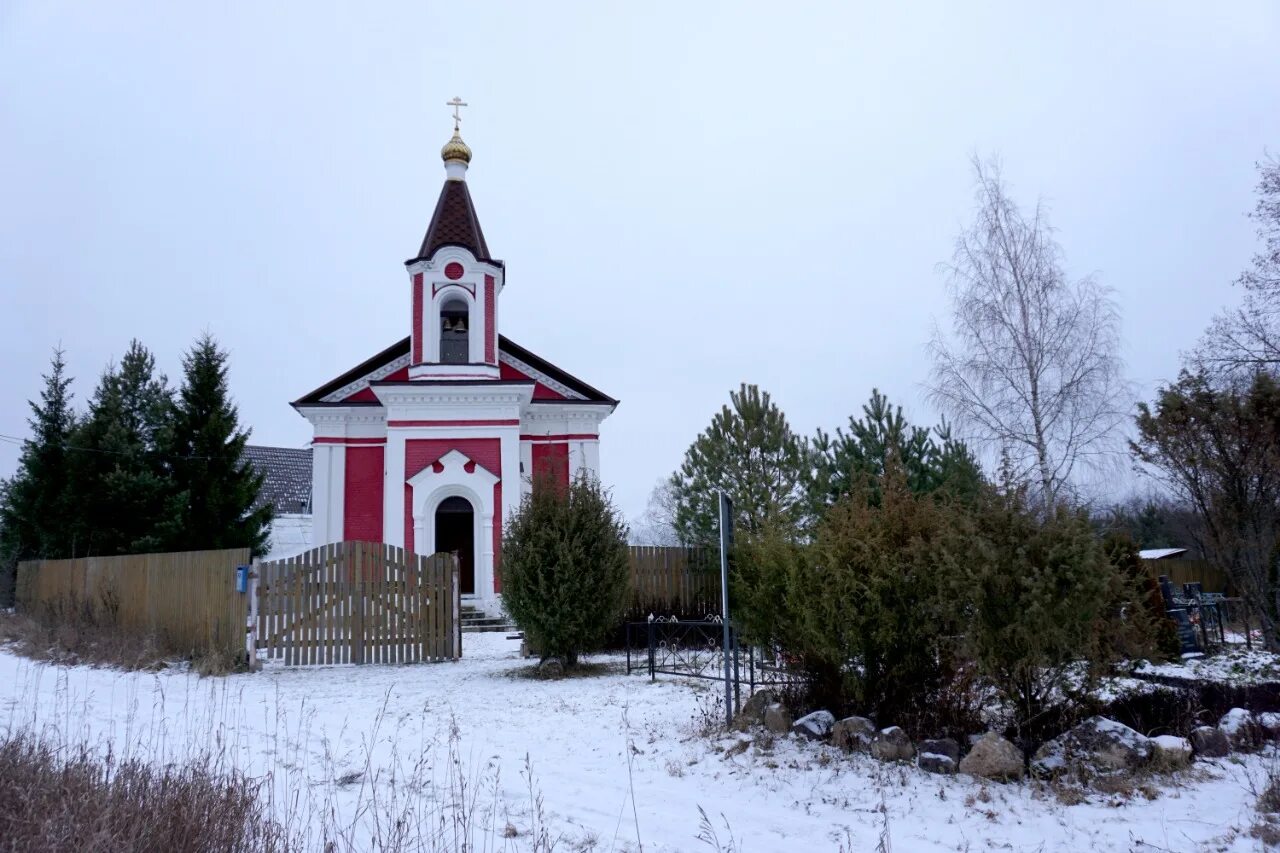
column 456, row 475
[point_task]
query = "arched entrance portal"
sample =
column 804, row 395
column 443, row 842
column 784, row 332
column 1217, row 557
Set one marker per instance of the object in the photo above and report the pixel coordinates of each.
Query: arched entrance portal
column 455, row 533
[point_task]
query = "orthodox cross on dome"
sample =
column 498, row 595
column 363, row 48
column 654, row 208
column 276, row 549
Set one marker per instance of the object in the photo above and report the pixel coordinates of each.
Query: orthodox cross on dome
column 456, row 103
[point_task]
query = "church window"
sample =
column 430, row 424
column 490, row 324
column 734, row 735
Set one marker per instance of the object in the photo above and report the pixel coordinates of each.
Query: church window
column 455, row 342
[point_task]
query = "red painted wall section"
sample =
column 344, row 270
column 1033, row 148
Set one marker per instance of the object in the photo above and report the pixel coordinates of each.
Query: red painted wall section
column 551, row 460
column 366, row 395
column 417, row 318
column 486, row 452
column 540, row 391
column 363, row 495
column 491, row 333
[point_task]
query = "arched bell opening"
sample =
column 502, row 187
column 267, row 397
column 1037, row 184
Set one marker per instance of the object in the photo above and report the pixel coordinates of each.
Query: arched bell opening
column 455, row 333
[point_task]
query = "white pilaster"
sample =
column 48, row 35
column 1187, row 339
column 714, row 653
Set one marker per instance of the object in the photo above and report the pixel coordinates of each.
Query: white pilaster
column 525, row 471
column 576, row 459
column 337, row 492
column 393, row 491
column 511, row 480
column 320, row 494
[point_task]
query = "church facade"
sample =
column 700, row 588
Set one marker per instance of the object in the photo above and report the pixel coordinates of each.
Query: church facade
column 431, row 444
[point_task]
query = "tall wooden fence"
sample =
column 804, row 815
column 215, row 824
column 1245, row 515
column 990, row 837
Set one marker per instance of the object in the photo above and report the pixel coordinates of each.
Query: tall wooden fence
column 681, row 581
column 186, row 600
column 1182, row 571
column 358, row 602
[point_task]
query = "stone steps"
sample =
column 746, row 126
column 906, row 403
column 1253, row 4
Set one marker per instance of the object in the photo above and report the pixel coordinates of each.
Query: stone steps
column 476, row 621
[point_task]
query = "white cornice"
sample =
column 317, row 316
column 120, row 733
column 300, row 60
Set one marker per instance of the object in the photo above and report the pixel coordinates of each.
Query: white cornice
column 469, row 394
column 331, row 415
column 547, row 410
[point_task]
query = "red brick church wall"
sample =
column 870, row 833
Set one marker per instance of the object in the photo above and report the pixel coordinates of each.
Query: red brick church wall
column 362, row 494
column 551, row 460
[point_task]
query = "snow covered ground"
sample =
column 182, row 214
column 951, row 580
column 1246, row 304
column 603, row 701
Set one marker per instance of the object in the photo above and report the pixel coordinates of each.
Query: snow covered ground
column 619, row 762
column 1229, row 665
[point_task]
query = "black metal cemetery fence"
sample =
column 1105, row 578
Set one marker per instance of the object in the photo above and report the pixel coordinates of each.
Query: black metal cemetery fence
column 694, row 649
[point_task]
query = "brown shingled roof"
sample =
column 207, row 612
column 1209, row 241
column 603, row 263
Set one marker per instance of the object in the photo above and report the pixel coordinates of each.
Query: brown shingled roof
column 455, row 223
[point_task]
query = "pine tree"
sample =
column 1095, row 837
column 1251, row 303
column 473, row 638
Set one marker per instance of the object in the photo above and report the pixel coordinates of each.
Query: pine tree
column 215, row 488
column 930, row 459
column 121, row 478
column 749, row 452
column 37, row 515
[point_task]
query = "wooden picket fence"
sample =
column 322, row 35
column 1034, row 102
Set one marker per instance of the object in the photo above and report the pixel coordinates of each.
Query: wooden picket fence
column 186, row 600
column 674, row 580
column 358, row 602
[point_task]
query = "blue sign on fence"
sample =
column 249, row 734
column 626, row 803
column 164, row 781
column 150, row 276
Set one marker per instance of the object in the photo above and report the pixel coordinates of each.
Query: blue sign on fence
column 242, row 578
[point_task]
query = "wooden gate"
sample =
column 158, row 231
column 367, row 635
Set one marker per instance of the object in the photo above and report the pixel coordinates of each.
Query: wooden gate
column 358, row 602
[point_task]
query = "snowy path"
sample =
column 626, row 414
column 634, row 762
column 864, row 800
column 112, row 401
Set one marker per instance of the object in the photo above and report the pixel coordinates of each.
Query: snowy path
column 327, row 743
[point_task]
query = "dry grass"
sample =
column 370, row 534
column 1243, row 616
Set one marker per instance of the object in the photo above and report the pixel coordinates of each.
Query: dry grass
column 71, row 636
column 72, row 640
column 51, row 801
column 581, row 670
column 1269, row 799
column 192, row 781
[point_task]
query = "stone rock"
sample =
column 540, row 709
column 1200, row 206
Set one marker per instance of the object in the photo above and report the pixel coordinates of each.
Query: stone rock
column 1270, row 722
column 752, row 713
column 853, row 734
column 551, row 668
column 1097, row 745
column 892, row 744
column 935, row 762
column 1170, row 753
column 738, row 748
column 815, row 726
column 777, row 718
column 1243, row 731
column 940, row 746
column 993, row 757
column 1210, row 742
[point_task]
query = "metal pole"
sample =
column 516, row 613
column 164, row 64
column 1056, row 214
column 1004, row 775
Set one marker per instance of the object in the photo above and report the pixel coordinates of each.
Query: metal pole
column 724, row 606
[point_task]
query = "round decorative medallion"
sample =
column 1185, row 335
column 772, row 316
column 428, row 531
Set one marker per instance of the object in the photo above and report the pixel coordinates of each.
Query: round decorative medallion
column 453, row 271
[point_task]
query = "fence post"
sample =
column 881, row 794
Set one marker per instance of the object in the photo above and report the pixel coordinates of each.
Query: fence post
column 457, row 616
column 737, row 675
column 653, row 676
column 251, row 629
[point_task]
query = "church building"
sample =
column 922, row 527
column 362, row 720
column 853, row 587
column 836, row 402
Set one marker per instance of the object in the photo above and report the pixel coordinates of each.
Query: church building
column 431, row 443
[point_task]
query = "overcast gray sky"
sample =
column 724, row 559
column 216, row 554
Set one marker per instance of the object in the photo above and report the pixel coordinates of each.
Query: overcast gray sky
column 680, row 191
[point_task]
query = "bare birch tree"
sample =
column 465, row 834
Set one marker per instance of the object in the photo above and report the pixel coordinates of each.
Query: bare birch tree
column 1031, row 369
column 1246, row 339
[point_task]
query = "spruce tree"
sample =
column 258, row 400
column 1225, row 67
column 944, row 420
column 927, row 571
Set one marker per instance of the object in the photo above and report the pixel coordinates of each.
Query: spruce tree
column 750, row 452
column 564, row 568
column 215, row 487
column 121, row 478
column 38, row 518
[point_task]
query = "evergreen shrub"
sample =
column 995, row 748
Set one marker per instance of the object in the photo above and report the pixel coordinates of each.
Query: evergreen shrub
column 564, row 568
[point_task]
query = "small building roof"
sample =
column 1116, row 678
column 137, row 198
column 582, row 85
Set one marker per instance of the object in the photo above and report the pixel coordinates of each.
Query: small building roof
column 287, row 477
column 1161, row 553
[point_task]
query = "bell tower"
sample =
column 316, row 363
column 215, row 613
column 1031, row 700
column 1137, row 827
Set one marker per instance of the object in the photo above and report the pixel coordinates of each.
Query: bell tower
column 454, row 281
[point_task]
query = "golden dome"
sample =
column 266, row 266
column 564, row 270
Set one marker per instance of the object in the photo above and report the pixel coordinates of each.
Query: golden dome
column 455, row 149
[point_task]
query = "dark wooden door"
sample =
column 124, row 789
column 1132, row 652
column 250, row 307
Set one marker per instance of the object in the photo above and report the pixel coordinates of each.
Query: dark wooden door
column 455, row 534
